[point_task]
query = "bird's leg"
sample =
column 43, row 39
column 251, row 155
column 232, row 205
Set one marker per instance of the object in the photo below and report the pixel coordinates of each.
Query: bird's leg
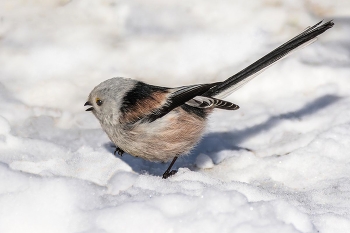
column 168, row 173
column 120, row 151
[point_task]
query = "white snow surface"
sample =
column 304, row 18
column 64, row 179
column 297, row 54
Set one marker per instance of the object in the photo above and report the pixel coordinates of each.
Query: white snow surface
column 281, row 163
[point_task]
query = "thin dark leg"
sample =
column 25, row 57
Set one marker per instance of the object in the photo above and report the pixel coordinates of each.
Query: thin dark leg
column 120, row 151
column 168, row 173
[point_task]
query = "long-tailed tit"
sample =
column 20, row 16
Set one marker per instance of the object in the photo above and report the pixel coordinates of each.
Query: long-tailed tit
column 159, row 123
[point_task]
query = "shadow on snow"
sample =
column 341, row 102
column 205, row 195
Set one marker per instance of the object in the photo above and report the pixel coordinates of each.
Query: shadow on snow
column 218, row 141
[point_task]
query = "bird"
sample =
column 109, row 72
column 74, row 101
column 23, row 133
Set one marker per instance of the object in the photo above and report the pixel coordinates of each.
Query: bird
column 160, row 124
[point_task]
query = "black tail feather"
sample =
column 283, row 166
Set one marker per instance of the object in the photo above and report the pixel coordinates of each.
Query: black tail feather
column 301, row 39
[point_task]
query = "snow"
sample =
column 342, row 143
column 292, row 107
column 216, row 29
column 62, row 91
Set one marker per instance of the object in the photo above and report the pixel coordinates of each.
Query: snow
column 203, row 161
column 278, row 164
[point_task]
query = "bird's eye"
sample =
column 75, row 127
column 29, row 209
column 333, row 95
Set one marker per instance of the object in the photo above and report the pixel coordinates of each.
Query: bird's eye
column 98, row 102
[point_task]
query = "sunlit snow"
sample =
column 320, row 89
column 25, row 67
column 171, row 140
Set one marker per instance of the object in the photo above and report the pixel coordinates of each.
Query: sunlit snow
column 281, row 163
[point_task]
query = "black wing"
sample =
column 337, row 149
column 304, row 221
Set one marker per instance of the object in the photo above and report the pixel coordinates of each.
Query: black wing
column 148, row 103
column 178, row 97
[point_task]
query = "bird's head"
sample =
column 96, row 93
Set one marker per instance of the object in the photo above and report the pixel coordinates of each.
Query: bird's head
column 106, row 99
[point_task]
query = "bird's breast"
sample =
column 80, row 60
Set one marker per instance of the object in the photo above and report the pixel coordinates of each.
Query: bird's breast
column 172, row 135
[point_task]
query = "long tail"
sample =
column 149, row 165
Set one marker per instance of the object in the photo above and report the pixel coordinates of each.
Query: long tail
column 234, row 82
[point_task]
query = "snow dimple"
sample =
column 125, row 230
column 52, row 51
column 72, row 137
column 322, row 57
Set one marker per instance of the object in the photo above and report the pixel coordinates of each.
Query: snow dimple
column 278, row 164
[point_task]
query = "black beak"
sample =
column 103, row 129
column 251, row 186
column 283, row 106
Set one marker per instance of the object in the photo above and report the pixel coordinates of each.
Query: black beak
column 89, row 109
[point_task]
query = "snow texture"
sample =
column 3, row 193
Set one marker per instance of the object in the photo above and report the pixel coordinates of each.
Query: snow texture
column 281, row 163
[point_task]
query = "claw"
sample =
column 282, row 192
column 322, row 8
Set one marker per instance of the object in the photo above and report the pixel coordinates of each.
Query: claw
column 168, row 174
column 120, row 151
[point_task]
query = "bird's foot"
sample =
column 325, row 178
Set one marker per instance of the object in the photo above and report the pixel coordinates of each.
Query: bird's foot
column 169, row 173
column 120, row 151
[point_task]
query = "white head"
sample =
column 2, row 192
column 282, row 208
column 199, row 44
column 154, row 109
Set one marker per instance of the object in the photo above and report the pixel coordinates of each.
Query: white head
column 106, row 99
